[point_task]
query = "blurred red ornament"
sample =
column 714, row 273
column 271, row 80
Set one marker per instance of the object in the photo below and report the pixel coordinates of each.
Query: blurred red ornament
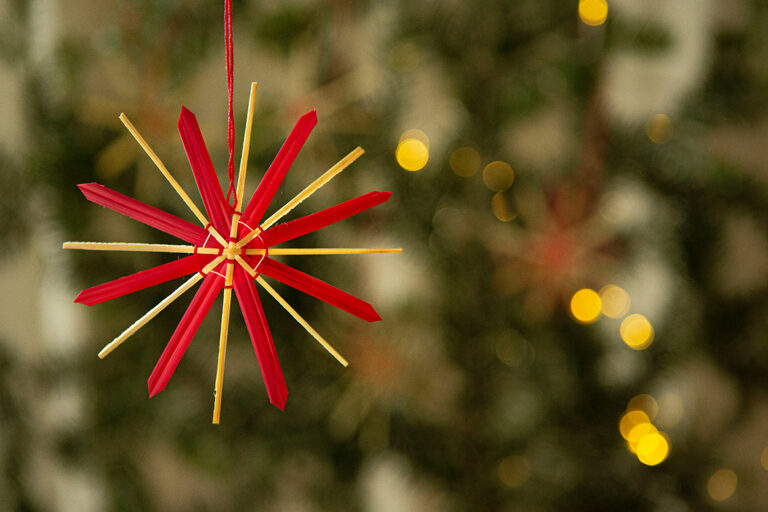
column 563, row 246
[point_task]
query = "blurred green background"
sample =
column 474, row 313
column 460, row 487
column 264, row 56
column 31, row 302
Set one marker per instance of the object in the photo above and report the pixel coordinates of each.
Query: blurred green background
column 578, row 321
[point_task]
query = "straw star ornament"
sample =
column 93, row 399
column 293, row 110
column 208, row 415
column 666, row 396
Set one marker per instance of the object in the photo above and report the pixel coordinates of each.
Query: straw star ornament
column 233, row 248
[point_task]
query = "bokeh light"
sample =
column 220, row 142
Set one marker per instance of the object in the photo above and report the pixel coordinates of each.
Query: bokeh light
column 412, row 151
column 498, row 176
column 513, row 471
column 630, row 420
column 636, row 331
column 722, row 484
column 586, row 305
column 652, row 449
column 643, row 437
column 645, row 403
column 659, row 128
column 615, row 301
column 638, row 432
column 502, row 207
column 465, row 161
column 593, row 12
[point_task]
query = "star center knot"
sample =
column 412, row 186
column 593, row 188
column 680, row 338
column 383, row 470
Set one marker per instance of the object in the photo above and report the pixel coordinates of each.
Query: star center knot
column 231, row 250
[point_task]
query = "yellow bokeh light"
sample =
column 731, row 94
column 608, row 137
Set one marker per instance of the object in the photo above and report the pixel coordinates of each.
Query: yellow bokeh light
column 722, row 484
column 764, row 458
column 630, row 420
column 465, row 161
column 513, row 471
column 637, row 433
column 502, row 207
column 586, row 305
column 659, row 128
column 615, row 301
column 645, row 403
column 636, row 331
column 412, row 154
column 652, row 449
column 498, row 176
column 593, row 12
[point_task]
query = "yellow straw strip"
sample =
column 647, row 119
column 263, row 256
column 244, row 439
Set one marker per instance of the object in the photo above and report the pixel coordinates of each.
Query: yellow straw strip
column 301, row 321
column 301, row 196
column 189, row 249
column 152, row 313
column 175, row 184
column 223, row 344
column 120, row 246
column 321, row 251
column 217, row 236
column 246, row 146
column 314, row 186
column 230, row 268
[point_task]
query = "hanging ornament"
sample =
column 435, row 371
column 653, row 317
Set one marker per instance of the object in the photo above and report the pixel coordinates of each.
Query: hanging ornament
column 233, row 248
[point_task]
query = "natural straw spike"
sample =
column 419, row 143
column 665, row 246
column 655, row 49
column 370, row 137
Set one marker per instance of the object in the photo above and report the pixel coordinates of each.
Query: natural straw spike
column 149, row 315
column 246, row 146
column 223, row 343
column 230, row 267
column 314, row 186
column 301, row 321
column 134, row 247
column 175, row 184
column 189, row 249
column 152, row 313
column 234, row 225
column 321, row 251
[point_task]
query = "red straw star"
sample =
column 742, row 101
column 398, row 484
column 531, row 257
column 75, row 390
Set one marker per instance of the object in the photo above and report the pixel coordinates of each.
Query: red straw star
column 229, row 251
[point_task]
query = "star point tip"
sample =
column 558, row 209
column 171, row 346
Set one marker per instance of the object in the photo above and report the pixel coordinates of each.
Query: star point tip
column 185, row 112
column 153, row 391
column 279, row 401
column 82, row 298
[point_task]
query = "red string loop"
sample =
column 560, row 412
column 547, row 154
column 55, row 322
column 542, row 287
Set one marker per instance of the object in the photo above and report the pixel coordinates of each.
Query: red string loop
column 231, row 193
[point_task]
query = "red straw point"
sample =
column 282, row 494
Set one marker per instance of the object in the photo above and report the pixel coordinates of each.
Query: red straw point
column 142, row 212
column 261, row 338
column 319, row 289
column 205, row 175
column 276, row 172
column 144, row 279
column 301, row 226
column 185, row 331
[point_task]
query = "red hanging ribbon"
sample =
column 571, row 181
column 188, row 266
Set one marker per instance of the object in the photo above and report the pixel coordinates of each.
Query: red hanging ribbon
column 231, row 193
